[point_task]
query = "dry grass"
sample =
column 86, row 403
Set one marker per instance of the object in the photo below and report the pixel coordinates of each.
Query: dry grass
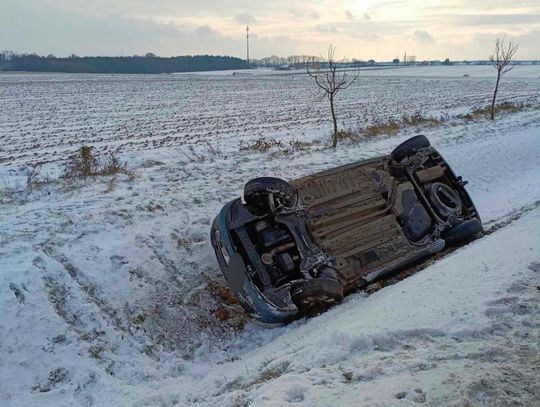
column 504, row 107
column 380, row 127
column 297, row 145
column 349, row 135
column 13, row 190
column 201, row 154
column 84, row 163
column 390, row 127
column 271, row 373
column 416, row 119
column 10, row 190
column 56, row 377
column 35, row 179
column 264, row 144
column 111, row 166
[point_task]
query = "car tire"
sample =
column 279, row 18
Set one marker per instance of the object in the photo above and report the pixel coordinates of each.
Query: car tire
column 410, row 147
column 462, row 232
column 316, row 295
column 257, row 190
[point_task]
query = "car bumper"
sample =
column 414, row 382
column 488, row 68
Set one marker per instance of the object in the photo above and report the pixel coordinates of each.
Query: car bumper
column 249, row 296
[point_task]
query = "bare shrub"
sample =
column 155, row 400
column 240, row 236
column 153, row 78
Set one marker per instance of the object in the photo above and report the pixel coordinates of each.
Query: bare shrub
column 501, row 60
column 330, row 82
column 112, row 166
column 84, row 164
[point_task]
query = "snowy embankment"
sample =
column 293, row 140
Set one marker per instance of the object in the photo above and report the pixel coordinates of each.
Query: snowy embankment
column 103, row 300
column 463, row 330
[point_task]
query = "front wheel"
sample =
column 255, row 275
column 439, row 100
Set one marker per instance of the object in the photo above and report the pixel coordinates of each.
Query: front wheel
column 264, row 194
column 316, row 295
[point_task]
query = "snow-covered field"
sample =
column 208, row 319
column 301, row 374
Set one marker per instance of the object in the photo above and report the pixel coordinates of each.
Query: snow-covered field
column 45, row 116
column 104, row 283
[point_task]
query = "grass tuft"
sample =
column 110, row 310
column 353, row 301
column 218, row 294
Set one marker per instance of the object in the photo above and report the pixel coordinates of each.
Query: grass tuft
column 84, row 163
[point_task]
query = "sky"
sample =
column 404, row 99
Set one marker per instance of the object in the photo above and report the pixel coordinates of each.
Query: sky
column 365, row 29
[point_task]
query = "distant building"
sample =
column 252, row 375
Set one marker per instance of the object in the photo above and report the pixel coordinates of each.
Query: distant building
column 395, row 61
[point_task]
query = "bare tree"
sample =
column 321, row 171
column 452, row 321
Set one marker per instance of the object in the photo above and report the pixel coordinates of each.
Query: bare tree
column 501, row 60
column 331, row 81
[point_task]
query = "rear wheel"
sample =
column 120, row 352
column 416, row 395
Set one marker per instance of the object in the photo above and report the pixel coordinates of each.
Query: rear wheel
column 462, row 232
column 264, row 194
column 315, row 295
column 410, row 147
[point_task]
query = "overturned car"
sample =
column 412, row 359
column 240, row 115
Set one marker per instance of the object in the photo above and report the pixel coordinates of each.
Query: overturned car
column 295, row 248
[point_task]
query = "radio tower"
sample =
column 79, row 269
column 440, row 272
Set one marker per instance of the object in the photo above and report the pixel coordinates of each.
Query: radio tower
column 247, row 44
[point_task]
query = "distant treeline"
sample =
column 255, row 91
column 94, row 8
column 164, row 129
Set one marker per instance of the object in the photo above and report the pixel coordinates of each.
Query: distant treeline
column 149, row 63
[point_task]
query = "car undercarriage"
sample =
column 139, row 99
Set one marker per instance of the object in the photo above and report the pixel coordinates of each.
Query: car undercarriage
column 294, row 248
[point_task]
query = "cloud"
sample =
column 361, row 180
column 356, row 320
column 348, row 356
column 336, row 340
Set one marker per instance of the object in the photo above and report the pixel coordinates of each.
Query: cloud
column 63, row 33
column 244, row 18
column 326, row 28
column 281, row 27
column 423, row 37
column 489, row 19
column 303, row 13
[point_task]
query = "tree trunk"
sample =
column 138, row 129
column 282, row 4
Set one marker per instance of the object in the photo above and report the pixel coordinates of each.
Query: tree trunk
column 495, row 96
column 335, row 135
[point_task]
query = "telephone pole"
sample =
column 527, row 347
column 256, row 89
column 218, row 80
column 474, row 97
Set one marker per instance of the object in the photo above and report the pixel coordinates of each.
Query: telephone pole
column 247, row 44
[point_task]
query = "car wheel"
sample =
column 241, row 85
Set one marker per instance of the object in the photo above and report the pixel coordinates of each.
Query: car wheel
column 462, row 232
column 315, row 295
column 258, row 190
column 410, row 147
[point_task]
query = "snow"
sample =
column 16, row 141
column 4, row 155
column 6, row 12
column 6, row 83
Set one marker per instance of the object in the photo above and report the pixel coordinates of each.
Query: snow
column 440, row 71
column 103, row 291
